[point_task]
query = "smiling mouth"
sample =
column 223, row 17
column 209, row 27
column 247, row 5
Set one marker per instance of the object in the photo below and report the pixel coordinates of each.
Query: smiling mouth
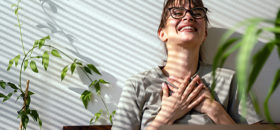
column 188, row 28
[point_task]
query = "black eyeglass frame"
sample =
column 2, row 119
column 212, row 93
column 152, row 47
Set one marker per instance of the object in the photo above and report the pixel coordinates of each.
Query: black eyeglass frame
column 204, row 9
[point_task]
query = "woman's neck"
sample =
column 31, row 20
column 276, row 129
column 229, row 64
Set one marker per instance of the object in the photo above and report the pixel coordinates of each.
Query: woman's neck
column 181, row 62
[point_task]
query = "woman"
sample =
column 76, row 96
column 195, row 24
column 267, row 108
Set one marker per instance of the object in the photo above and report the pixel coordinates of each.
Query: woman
column 177, row 93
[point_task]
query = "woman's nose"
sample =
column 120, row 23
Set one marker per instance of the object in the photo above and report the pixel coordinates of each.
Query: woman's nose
column 188, row 17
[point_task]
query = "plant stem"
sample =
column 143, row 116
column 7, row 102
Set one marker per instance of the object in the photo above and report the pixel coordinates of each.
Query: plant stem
column 99, row 96
column 24, row 103
column 19, row 25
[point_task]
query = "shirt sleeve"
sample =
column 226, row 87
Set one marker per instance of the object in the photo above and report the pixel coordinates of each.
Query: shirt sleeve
column 235, row 108
column 128, row 114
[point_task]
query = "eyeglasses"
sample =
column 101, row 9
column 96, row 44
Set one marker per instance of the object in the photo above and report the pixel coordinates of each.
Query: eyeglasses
column 180, row 12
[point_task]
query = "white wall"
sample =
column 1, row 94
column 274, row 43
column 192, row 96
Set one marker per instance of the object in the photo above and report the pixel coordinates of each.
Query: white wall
column 119, row 37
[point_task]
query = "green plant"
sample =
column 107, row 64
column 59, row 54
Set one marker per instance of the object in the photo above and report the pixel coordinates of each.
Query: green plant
column 31, row 60
column 247, row 67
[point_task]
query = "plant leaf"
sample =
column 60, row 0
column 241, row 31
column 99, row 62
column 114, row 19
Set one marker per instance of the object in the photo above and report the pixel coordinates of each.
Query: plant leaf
column 93, row 83
column 10, row 64
column 34, row 114
column 16, row 11
column 36, row 43
column 73, row 66
column 103, row 81
column 79, row 63
column 2, row 95
column 7, row 97
column 64, row 71
column 25, row 120
column 13, row 86
column 87, row 69
column 97, row 88
column 273, row 87
column 111, row 116
column 45, row 60
column 259, row 62
column 277, row 24
column 248, row 41
column 13, row 5
column 97, row 115
column 46, row 38
column 41, row 43
column 25, row 64
column 33, row 66
column 16, row 60
column 86, row 97
column 3, row 84
column 55, row 53
column 93, row 68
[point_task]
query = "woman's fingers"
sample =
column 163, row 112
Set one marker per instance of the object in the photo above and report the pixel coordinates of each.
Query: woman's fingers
column 165, row 90
column 194, row 93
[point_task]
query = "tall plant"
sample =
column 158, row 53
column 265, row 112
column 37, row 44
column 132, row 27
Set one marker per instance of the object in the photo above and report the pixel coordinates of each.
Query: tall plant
column 31, row 60
column 247, row 67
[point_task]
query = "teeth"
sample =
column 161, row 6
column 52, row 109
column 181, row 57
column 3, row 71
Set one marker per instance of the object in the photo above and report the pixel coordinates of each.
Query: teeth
column 187, row 28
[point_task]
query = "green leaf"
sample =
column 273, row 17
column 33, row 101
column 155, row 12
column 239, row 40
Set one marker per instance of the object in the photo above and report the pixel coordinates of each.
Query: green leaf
column 2, row 95
column 16, row 11
column 218, row 61
column 10, row 64
column 40, row 123
column 111, row 116
column 79, row 63
column 25, row 120
column 7, row 97
column 36, row 43
column 64, row 71
column 273, row 87
column 3, row 84
column 16, row 60
column 87, row 69
column 97, row 115
column 45, row 60
column 73, row 66
column 13, row 86
column 41, row 43
column 86, row 97
column 33, row 66
column 103, row 81
column 248, row 41
column 93, row 83
column 25, row 64
column 46, row 38
column 277, row 24
column 93, row 68
column 13, row 5
column 97, row 88
column 259, row 62
column 91, row 120
column 55, row 53
column 34, row 114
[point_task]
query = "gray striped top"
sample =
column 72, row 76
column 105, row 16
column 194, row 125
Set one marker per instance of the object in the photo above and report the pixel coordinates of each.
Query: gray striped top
column 141, row 99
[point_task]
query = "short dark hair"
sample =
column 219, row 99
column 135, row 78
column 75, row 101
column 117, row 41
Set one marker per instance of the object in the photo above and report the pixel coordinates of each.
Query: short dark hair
column 176, row 3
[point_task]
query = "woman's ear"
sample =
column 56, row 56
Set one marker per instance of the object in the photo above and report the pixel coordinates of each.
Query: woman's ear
column 162, row 35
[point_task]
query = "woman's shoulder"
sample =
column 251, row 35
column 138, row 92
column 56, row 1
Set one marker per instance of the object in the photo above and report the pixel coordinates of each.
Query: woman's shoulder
column 221, row 72
column 146, row 77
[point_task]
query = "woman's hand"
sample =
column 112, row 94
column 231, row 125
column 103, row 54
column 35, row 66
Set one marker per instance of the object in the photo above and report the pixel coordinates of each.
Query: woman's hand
column 209, row 106
column 180, row 102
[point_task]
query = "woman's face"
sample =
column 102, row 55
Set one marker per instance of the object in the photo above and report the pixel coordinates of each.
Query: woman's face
column 186, row 31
